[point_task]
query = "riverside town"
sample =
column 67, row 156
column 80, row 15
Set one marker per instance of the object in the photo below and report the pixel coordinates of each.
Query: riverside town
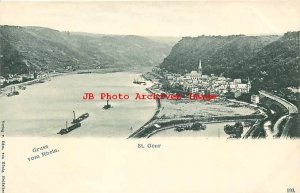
column 234, row 86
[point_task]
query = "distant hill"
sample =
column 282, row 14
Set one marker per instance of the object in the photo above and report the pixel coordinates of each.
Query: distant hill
column 165, row 39
column 261, row 58
column 26, row 49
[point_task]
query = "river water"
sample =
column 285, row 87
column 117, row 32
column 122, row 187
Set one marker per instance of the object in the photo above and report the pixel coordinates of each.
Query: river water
column 43, row 109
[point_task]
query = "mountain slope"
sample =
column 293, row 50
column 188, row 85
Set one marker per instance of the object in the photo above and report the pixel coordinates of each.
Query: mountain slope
column 277, row 65
column 25, row 49
column 219, row 54
column 271, row 62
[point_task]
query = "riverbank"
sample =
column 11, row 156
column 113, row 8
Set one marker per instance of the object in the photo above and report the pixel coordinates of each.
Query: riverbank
column 4, row 91
column 182, row 113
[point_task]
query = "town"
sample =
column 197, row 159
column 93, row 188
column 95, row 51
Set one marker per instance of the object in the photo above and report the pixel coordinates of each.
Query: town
column 10, row 79
column 196, row 82
column 264, row 120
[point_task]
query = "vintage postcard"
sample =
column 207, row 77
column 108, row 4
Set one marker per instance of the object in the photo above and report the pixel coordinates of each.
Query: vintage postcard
column 150, row 96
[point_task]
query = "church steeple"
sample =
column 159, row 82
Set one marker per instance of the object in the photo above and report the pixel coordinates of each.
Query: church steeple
column 248, row 85
column 200, row 68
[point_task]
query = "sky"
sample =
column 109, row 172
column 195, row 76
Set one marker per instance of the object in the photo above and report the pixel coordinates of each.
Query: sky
column 157, row 18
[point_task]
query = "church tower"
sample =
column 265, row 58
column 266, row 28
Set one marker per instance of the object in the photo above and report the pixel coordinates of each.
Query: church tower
column 248, row 85
column 200, row 68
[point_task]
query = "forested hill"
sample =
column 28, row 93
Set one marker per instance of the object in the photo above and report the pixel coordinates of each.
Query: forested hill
column 35, row 48
column 269, row 61
column 217, row 53
column 277, row 65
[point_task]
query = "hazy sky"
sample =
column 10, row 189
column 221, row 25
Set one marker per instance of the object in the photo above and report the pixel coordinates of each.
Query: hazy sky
column 157, row 18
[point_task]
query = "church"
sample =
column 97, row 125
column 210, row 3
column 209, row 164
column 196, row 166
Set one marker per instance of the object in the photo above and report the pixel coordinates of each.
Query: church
column 194, row 75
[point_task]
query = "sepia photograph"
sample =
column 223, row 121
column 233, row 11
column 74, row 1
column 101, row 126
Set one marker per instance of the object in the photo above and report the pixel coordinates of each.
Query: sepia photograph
column 219, row 72
column 150, row 96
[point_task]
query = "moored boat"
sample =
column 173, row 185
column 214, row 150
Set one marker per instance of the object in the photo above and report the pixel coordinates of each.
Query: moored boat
column 13, row 92
column 22, row 87
column 136, row 81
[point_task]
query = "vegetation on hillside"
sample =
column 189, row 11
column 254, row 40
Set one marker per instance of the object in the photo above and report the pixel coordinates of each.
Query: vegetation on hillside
column 271, row 62
column 26, row 49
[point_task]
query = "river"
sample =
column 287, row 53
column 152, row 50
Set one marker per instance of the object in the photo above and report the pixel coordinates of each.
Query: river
column 43, row 109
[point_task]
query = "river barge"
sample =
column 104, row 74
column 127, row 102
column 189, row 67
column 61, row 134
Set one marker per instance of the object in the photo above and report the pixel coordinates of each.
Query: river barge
column 69, row 129
column 80, row 118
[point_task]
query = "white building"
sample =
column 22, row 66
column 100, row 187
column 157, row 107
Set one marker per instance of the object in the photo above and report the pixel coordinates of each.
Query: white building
column 222, row 78
column 205, row 77
column 2, row 80
column 195, row 90
column 194, row 75
column 294, row 89
column 254, row 99
column 237, row 81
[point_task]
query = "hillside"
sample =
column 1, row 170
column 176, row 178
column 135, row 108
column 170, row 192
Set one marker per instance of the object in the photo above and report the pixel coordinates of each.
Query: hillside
column 26, row 49
column 219, row 54
column 277, row 65
column 261, row 58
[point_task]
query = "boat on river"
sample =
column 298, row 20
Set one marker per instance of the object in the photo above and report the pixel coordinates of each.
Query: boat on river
column 136, row 81
column 80, row 118
column 22, row 87
column 13, row 92
column 69, row 129
column 107, row 106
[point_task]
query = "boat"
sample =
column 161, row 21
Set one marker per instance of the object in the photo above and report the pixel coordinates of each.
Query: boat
column 13, row 92
column 22, row 87
column 179, row 129
column 69, row 129
column 197, row 127
column 135, row 81
column 80, row 118
column 107, row 106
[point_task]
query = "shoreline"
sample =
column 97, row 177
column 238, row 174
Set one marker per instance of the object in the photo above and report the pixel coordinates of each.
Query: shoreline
column 156, row 112
column 5, row 90
column 150, row 128
column 128, row 113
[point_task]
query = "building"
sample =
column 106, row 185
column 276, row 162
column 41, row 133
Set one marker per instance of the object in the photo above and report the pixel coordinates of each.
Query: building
column 254, row 99
column 195, row 90
column 196, row 82
column 2, row 80
column 19, row 78
column 27, row 76
column 237, row 81
column 170, row 77
column 194, row 75
column 294, row 89
column 204, row 77
column 237, row 86
column 242, row 88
